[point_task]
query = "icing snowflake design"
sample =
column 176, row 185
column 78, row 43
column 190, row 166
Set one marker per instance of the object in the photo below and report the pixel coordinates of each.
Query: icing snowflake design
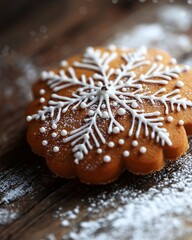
column 110, row 88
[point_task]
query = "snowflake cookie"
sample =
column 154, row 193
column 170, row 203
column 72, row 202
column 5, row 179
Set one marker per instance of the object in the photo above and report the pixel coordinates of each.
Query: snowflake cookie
column 109, row 110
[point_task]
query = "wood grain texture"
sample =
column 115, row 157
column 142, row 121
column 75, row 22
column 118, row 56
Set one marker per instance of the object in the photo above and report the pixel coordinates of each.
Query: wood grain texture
column 39, row 35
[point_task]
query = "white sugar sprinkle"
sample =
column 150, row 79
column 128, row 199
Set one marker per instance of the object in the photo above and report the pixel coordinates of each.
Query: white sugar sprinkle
column 121, row 141
column 116, row 130
column 42, row 100
column 126, row 153
column 181, row 122
column 64, row 133
column 44, row 142
column 111, row 144
column 170, row 119
column 42, row 130
column 179, row 84
column 42, row 91
column 143, row 150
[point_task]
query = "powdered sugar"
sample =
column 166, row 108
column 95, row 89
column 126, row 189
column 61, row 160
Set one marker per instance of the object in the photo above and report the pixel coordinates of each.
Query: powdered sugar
column 138, row 207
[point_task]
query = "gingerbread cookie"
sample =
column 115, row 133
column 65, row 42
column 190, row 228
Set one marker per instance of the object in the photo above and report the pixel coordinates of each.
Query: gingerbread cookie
column 110, row 110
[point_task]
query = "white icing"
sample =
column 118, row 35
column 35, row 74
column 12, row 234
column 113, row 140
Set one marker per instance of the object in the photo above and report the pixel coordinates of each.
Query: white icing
column 63, row 63
column 159, row 58
column 121, row 111
column 54, row 134
column 29, row 118
column 173, row 61
column 135, row 143
column 181, row 122
column 169, row 118
column 99, row 150
column 179, row 84
column 126, row 153
column 42, row 100
column 121, row 141
column 111, row 144
column 116, row 130
column 44, row 142
column 98, row 90
column 106, row 158
column 143, row 150
column 63, row 133
column 56, row 149
column 42, row 91
column 42, row 130
column 44, row 75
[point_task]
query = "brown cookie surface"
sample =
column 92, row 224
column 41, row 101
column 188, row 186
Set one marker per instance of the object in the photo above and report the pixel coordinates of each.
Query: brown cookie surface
column 110, row 110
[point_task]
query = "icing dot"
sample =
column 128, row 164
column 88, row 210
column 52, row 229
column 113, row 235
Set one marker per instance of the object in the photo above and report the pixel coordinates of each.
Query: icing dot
column 134, row 105
column 116, row 130
column 56, row 149
column 173, row 61
column 105, row 114
column 92, row 97
column 135, row 143
column 54, row 126
column 86, row 137
column 79, row 155
column 121, row 141
column 112, row 47
column 121, row 111
column 42, row 100
column 42, row 91
column 83, row 105
column 99, row 84
column 106, row 158
column 111, row 144
column 170, row 119
column 179, row 84
column 44, row 142
column 120, row 82
column 42, row 129
column 143, row 150
column 126, row 153
column 99, row 151
column 44, row 75
column 63, row 63
column 159, row 58
column 181, row 122
column 28, row 118
column 114, row 104
column 103, row 106
column 124, row 89
column 91, row 113
column 54, row 134
column 63, row 133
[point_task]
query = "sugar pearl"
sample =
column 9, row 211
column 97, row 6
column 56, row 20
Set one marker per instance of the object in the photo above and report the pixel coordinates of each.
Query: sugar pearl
column 44, row 75
column 173, row 61
column 121, row 141
column 83, row 105
column 135, row 143
column 44, row 142
column 143, row 150
column 121, row 111
column 103, row 106
column 56, row 149
column 114, row 104
column 99, row 151
column 63, row 133
column 111, row 144
column 42, row 129
column 42, row 91
column 54, row 134
column 28, row 118
column 179, row 84
column 181, row 122
column 99, row 84
column 159, row 58
column 170, row 119
column 54, row 126
column 91, row 113
column 92, row 97
column 105, row 114
column 42, row 100
column 116, row 130
column 134, row 105
column 106, row 158
column 126, row 153
column 63, row 63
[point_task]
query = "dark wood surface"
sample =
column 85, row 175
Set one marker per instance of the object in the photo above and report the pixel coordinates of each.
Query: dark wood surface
column 33, row 36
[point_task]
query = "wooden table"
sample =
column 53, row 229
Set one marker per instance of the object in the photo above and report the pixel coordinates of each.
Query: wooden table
column 35, row 204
